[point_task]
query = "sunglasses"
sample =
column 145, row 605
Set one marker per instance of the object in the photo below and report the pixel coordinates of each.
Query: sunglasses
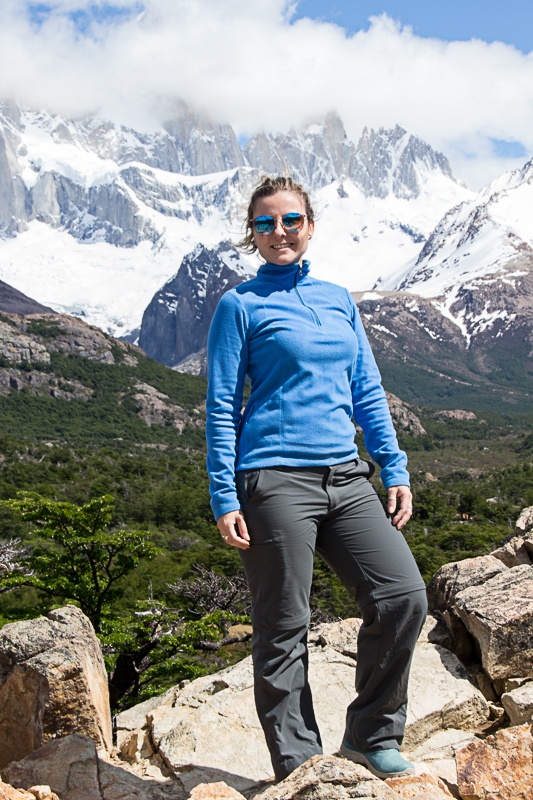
column 291, row 223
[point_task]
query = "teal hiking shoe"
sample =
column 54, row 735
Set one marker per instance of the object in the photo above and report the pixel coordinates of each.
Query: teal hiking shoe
column 382, row 763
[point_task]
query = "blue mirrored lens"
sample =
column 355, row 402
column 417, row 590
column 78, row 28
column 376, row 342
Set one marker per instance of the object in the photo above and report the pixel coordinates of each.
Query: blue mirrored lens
column 292, row 222
column 264, row 225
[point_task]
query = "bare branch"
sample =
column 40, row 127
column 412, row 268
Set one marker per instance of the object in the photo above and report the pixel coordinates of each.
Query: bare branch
column 11, row 552
column 210, row 592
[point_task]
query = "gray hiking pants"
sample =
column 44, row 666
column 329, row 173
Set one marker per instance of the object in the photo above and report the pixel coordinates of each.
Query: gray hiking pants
column 291, row 512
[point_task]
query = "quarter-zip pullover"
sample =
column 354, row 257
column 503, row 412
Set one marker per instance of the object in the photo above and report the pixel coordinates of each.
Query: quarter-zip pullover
column 303, row 346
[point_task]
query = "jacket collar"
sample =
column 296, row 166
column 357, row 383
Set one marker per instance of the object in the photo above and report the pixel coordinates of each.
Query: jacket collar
column 286, row 273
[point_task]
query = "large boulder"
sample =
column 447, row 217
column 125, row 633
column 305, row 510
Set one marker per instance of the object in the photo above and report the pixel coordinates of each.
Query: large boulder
column 72, row 768
column 499, row 615
column 524, row 523
column 444, row 700
column 499, row 768
column 52, row 682
column 453, row 578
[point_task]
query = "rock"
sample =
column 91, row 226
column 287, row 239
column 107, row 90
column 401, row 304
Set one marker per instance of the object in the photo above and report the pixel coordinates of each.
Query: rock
column 514, row 553
column 427, row 786
column 499, row 615
column 52, row 682
column 118, row 783
column 519, row 703
column 215, row 791
column 43, row 793
column 524, row 523
column 135, row 746
column 16, row 346
column 499, row 768
column 134, row 719
column 437, row 753
column 456, row 414
column 73, row 770
column 404, row 418
column 156, row 408
column 329, row 778
column 446, row 700
column 341, row 636
column 453, row 578
column 435, row 631
column 7, row 792
column 69, row 767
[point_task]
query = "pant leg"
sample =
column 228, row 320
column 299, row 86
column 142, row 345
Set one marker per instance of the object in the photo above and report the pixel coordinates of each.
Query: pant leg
column 375, row 720
column 374, row 562
column 283, row 697
column 282, row 508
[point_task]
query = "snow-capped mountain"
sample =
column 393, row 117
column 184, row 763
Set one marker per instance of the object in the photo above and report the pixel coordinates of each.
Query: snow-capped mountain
column 96, row 218
column 478, row 262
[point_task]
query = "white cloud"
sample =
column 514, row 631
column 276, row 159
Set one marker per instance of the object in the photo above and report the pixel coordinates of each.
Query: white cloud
column 244, row 62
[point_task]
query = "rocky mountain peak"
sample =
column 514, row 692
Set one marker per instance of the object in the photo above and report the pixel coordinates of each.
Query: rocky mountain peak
column 176, row 322
column 395, row 162
column 384, row 162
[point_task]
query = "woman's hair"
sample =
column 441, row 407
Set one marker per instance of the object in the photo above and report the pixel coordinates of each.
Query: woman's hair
column 266, row 188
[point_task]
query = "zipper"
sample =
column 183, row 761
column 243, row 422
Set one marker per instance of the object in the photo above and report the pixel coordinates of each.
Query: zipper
column 312, row 310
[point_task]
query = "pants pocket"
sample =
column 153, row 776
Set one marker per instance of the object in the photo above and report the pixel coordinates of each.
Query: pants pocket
column 248, row 484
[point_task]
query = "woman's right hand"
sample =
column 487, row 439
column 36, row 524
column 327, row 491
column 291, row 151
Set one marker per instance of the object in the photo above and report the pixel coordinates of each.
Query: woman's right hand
column 232, row 527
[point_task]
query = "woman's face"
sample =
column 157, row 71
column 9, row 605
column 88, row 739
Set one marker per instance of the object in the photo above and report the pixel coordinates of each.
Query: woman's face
column 280, row 247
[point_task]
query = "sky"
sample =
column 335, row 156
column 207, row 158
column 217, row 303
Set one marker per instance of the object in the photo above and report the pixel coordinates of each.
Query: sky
column 458, row 74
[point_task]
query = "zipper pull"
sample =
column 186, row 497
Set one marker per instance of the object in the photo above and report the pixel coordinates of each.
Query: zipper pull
column 300, row 270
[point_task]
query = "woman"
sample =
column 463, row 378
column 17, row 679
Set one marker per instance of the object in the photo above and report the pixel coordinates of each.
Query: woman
column 286, row 480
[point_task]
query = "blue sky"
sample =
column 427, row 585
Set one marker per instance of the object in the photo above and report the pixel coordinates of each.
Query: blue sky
column 457, row 74
column 509, row 21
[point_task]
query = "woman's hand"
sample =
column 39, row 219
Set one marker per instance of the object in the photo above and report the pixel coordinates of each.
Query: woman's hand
column 233, row 530
column 405, row 498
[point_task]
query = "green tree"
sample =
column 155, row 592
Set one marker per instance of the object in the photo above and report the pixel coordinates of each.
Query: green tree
column 77, row 555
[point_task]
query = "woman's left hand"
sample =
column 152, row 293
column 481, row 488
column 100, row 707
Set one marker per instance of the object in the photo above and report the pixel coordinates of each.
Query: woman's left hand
column 400, row 495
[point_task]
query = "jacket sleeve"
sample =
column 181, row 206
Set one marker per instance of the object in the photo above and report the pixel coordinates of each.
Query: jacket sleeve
column 371, row 411
column 227, row 360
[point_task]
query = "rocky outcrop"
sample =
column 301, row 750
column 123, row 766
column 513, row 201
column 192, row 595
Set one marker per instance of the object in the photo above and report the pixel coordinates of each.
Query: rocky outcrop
column 176, row 322
column 405, row 420
column 28, row 345
column 178, row 724
column 34, row 337
column 52, row 682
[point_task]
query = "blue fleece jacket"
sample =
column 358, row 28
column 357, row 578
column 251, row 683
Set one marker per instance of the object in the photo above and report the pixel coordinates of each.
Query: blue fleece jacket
column 303, row 346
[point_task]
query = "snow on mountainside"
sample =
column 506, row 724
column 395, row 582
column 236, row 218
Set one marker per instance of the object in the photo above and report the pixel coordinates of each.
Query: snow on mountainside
column 478, row 262
column 96, row 218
